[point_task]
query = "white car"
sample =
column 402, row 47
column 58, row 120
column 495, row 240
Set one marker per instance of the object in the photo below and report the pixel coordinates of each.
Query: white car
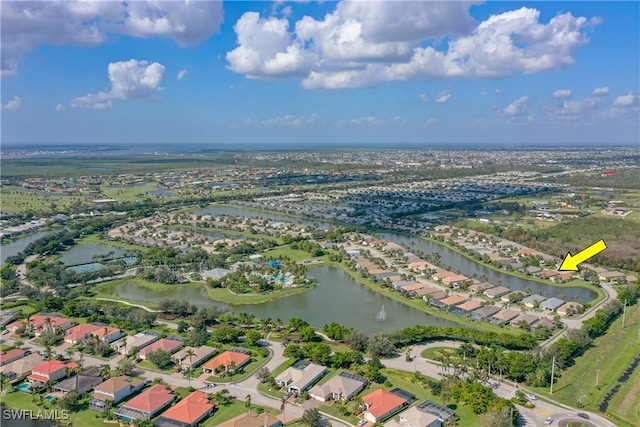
column 530, row 396
column 362, row 422
column 548, row 421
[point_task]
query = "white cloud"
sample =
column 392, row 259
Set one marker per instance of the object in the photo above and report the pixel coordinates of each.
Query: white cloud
column 432, row 122
column 424, row 97
column 181, row 74
column 28, row 24
column 498, row 91
column 396, row 121
column 443, row 97
column 519, row 107
column 291, row 120
column 361, row 44
column 626, row 100
column 367, row 120
column 13, row 104
column 59, row 107
column 561, row 93
column 131, row 79
column 483, row 93
column 601, row 91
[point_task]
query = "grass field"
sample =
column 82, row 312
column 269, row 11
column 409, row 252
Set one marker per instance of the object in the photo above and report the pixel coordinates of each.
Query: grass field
column 610, row 354
column 24, row 200
column 432, row 352
column 294, row 254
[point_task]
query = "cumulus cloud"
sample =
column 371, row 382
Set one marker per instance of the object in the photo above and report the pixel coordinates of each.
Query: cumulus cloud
column 443, row 97
column 424, row 97
column 397, row 121
column 561, row 93
column 59, row 107
column 626, row 100
column 432, row 122
column 13, row 104
column 362, row 44
column 28, row 24
column 367, row 120
column 601, row 91
column 181, row 74
column 131, row 79
column 519, row 107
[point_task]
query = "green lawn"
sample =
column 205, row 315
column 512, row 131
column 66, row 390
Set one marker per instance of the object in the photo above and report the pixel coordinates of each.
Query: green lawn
column 610, row 354
column 430, row 353
column 223, row 295
column 225, row 413
column 294, row 254
column 95, row 238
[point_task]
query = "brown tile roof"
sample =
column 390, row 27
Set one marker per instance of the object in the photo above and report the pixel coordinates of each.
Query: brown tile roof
column 150, row 400
column 114, row 384
column 252, row 420
column 164, row 344
column 226, row 358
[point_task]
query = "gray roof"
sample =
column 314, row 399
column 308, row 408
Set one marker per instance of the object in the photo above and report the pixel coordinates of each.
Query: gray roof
column 82, row 382
column 532, row 299
column 216, row 273
column 551, row 303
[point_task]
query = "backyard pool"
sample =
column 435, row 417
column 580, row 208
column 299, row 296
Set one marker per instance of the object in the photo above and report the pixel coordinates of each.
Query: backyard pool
column 24, row 387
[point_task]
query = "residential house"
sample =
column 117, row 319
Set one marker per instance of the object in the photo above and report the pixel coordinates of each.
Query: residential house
column 134, row 342
column 381, row 404
column 216, row 273
column 21, row 367
column 544, row 323
column 400, row 283
column 226, row 360
column 81, row 332
column 50, row 371
column 552, row 304
column 466, row 307
column 301, row 376
column 39, row 323
column 167, row 344
column 529, row 319
column 503, row 316
column 413, row 417
column 252, row 419
column 570, row 308
column 449, row 302
column 341, row 387
column 610, row 276
column 484, row 312
column 443, row 413
column 189, row 412
column 426, row 290
column 113, row 391
column 435, row 296
column 455, row 281
column 480, row 287
column 11, row 356
column 562, row 277
column 533, row 300
column 6, row 316
column 507, row 298
column 496, row 292
column 202, row 354
column 83, row 382
column 146, row 405
column 411, row 288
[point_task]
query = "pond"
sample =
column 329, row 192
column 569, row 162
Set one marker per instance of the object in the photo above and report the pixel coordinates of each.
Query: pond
column 357, row 307
column 17, row 246
column 83, row 253
column 468, row 267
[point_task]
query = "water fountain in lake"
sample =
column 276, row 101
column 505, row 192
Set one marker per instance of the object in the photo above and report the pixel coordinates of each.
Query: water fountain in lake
column 382, row 315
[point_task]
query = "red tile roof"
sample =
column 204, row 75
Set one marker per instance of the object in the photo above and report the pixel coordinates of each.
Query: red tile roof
column 151, row 400
column 164, row 344
column 53, row 366
column 81, row 331
column 381, row 402
column 190, row 409
column 226, row 358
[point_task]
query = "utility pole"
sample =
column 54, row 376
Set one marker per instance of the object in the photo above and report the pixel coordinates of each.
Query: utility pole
column 553, row 366
column 597, row 377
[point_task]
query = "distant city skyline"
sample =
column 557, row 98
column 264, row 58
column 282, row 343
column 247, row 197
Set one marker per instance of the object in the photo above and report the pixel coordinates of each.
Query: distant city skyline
column 301, row 73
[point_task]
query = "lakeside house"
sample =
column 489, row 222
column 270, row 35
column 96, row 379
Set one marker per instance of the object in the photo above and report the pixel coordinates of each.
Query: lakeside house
column 466, row 307
column 81, row 332
column 533, row 300
column 113, row 391
column 496, row 292
column 484, row 312
column 39, row 323
column 189, row 412
column 570, row 308
column 146, row 405
column 503, row 316
column 449, row 302
column 301, row 376
column 134, row 342
column 529, row 319
column 341, row 387
column 552, row 304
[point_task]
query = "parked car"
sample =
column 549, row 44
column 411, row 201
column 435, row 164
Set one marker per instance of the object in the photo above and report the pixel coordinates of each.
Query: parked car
column 530, row 396
column 362, row 422
column 583, row 415
column 548, row 421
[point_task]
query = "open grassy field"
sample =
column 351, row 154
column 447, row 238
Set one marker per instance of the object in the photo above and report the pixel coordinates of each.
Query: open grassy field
column 294, row 254
column 609, row 354
column 16, row 199
column 432, row 352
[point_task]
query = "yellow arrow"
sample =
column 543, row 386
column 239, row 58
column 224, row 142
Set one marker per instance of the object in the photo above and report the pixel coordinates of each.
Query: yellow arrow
column 571, row 262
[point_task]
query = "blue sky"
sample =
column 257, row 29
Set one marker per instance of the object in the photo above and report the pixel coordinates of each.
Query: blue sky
column 308, row 72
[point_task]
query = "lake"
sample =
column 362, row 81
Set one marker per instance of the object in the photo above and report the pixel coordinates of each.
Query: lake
column 83, row 253
column 357, row 306
column 17, row 246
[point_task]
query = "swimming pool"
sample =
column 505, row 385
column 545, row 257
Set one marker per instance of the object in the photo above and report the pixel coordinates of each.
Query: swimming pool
column 24, row 387
column 50, row 398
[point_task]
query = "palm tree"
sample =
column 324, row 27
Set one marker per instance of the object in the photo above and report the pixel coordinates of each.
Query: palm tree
column 124, row 344
column 81, row 349
column 189, row 353
column 70, row 352
column 105, row 371
column 283, row 405
column 247, row 402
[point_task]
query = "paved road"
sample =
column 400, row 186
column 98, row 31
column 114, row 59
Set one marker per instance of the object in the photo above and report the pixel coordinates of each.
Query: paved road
column 537, row 415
